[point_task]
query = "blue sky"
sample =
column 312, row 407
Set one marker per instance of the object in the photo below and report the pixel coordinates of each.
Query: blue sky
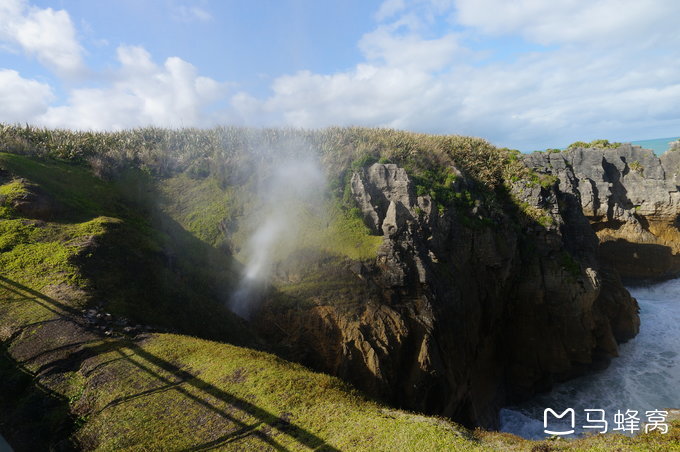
column 526, row 74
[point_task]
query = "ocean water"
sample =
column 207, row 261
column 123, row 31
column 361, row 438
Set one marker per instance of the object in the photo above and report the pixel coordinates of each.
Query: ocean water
column 658, row 145
column 645, row 377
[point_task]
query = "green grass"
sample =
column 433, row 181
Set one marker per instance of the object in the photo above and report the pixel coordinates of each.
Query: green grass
column 40, row 254
column 12, row 190
column 236, row 388
column 636, row 166
column 69, row 184
column 202, row 205
column 70, row 249
column 347, row 235
column 199, row 205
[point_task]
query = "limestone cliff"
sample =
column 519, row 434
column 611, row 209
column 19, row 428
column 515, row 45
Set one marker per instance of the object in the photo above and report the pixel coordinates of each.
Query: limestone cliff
column 465, row 306
column 631, row 198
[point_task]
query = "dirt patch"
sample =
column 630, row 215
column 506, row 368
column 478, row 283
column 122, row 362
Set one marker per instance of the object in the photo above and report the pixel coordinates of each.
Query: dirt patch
column 70, row 295
column 238, row 376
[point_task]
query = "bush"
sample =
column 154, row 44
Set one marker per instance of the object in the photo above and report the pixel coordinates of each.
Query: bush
column 636, row 166
column 595, row 144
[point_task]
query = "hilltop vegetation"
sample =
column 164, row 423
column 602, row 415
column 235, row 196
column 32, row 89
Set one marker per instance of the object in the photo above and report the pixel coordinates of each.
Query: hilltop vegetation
column 223, row 151
column 595, row 144
column 229, row 156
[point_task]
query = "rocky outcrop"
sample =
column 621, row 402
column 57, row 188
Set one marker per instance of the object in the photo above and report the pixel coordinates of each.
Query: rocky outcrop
column 380, row 191
column 632, row 200
column 463, row 310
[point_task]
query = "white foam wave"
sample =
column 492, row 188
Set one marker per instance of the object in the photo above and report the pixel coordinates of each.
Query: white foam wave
column 646, row 375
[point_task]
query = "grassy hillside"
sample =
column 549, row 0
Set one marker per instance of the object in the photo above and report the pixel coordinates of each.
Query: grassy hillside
column 149, row 241
column 64, row 226
column 113, row 391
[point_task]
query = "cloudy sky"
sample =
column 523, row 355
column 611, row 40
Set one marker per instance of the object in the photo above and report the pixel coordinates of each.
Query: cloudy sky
column 527, row 74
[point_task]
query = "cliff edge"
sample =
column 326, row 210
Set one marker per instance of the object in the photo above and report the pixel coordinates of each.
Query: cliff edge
column 631, row 198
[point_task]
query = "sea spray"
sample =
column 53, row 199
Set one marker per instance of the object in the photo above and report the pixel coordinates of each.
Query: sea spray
column 294, row 185
column 645, row 377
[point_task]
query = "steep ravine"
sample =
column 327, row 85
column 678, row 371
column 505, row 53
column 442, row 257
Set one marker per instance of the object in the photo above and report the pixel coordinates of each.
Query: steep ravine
column 462, row 310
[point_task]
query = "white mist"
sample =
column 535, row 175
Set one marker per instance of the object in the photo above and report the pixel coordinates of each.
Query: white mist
column 293, row 185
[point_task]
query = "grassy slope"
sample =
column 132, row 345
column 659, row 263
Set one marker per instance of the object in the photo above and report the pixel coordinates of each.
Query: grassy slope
column 166, row 391
column 154, row 258
column 199, row 205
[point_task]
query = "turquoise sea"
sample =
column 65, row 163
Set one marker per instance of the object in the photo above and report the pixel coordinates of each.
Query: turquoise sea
column 658, row 145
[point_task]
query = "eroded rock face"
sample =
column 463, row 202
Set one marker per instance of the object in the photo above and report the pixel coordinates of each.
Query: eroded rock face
column 461, row 311
column 376, row 189
column 631, row 198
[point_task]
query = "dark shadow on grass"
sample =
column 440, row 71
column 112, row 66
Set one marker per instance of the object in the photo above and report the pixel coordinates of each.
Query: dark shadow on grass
column 32, row 416
column 184, row 383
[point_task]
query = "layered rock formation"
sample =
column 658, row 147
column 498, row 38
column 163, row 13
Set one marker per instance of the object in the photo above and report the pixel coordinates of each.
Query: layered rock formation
column 631, row 198
column 462, row 310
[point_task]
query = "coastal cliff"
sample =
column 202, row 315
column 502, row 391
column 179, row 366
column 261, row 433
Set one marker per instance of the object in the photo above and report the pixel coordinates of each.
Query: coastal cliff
column 436, row 274
column 464, row 308
column 631, row 198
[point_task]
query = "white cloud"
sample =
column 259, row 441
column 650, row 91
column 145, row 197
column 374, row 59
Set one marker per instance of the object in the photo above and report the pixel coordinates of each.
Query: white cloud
column 22, row 99
column 389, row 8
column 611, row 69
column 141, row 93
column 191, row 14
column 595, row 22
column 424, row 78
column 409, row 50
column 369, row 95
column 46, row 34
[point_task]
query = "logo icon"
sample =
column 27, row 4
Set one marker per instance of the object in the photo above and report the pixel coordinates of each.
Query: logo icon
column 569, row 411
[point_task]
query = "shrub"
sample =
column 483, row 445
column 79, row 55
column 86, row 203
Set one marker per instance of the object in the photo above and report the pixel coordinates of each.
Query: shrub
column 595, row 144
column 364, row 161
column 636, row 166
